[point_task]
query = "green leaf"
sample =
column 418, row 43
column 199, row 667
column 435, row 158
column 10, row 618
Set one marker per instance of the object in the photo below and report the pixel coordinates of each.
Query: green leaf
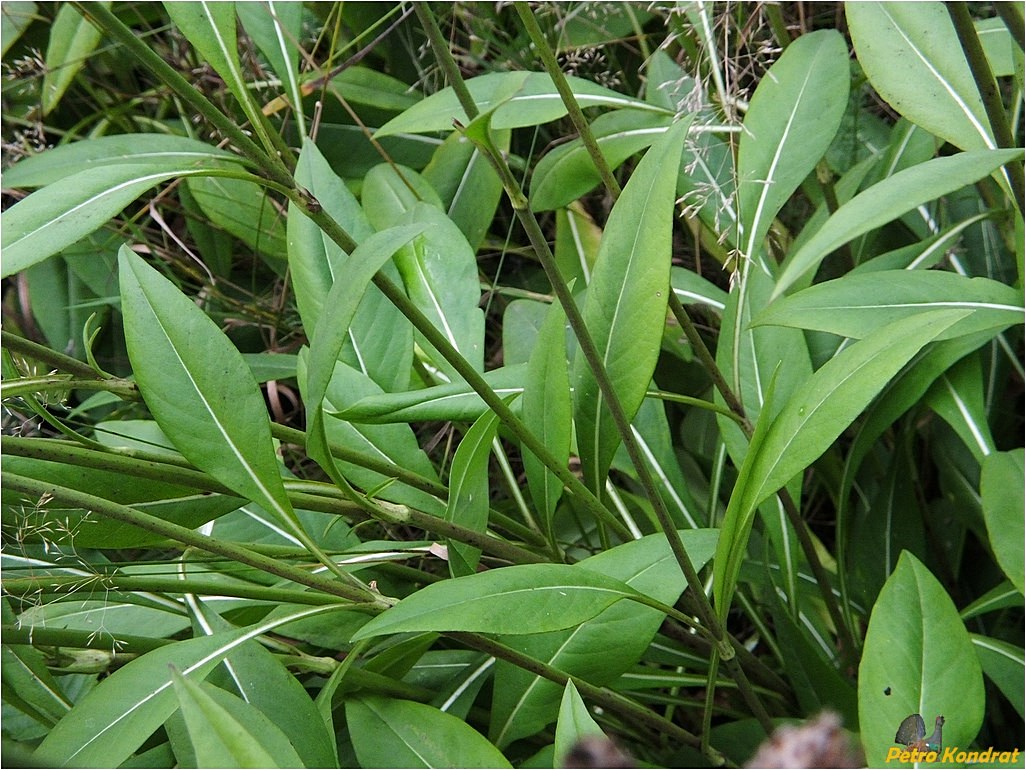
column 793, row 116
column 389, row 732
column 567, row 172
column 242, row 209
column 225, row 731
column 1005, row 665
column 547, row 410
column 263, row 682
column 15, row 18
column 517, row 98
column 199, row 388
column 439, row 272
column 859, row 303
column 1001, row 486
column 28, row 683
column 119, row 714
column 958, row 397
column 469, row 187
column 391, row 191
column 625, row 308
column 468, row 491
column 120, row 149
column 820, row 410
column 58, row 215
column 276, row 28
column 601, row 649
column 913, row 58
column 575, row 722
column 889, row 199
column 211, row 28
column 456, row 401
column 523, row 599
column 72, row 41
column 809, row 422
column 395, row 443
column 333, row 328
column 693, row 289
column 918, row 659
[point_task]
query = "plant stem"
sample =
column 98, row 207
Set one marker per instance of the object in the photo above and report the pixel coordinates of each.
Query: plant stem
column 444, row 58
column 987, row 85
column 107, row 509
column 104, row 583
column 548, row 58
column 602, row 696
column 104, row 20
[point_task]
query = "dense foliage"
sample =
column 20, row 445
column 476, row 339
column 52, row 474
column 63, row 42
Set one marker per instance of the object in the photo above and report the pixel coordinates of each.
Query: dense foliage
column 438, row 385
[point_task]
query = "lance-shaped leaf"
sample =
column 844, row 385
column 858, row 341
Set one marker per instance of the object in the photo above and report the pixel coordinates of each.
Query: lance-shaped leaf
column 67, row 159
column 791, row 121
column 390, row 732
column 333, row 328
column 625, row 309
column 889, row 199
column 517, row 99
column 1001, row 485
column 225, row 731
column 547, row 410
column 276, row 27
column 122, row 711
column 468, row 491
column 199, row 389
column 913, row 58
column 523, row 599
column 456, row 401
column 575, row 723
column 568, row 172
column 211, row 28
column 918, row 659
column 858, row 303
column 72, row 41
column 809, row 422
column 66, row 211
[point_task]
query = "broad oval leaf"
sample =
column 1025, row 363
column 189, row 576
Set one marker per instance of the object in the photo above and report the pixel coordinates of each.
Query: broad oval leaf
column 913, row 58
column 517, row 98
column 1001, row 485
column 389, row 732
column 523, row 599
column 625, row 308
column 889, row 199
column 115, row 718
column 198, row 387
column 918, row 659
column 859, row 303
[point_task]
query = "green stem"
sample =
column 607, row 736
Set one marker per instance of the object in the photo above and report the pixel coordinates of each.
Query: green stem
column 987, row 85
column 107, row 509
column 105, row 583
column 57, row 383
column 43, row 354
column 1011, row 15
column 104, row 20
column 548, row 59
column 604, row 697
column 444, row 58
